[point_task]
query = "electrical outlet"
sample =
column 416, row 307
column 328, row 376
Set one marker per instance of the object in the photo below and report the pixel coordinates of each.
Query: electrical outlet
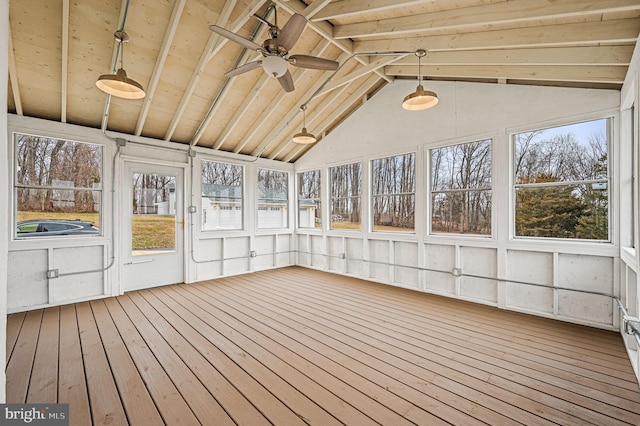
column 53, row 273
column 252, row 253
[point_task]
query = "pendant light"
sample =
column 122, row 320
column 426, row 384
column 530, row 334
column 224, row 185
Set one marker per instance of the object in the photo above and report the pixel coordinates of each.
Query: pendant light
column 420, row 99
column 119, row 84
column 304, row 137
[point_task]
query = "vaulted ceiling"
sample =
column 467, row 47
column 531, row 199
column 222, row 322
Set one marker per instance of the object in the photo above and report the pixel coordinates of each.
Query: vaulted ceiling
column 59, row 48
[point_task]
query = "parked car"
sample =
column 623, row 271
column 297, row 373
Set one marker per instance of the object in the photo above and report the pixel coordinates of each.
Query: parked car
column 55, row 227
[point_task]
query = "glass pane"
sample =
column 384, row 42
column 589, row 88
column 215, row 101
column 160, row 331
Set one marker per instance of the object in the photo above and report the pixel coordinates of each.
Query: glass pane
column 562, row 154
column 461, row 212
column 345, row 213
column 566, row 211
column 394, row 175
column 52, row 213
column 345, row 182
column 273, row 204
column 309, row 205
column 221, row 196
column 49, row 162
column 464, row 166
column 394, row 213
column 153, row 222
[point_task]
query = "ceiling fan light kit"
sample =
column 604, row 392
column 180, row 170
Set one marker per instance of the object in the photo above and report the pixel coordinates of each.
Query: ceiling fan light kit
column 420, row 99
column 119, row 84
column 275, row 51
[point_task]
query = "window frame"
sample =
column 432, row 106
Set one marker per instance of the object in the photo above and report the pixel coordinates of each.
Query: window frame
column 566, row 183
column 204, row 215
column 491, row 140
column 16, row 186
column 331, row 197
column 318, row 200
column 373, row 194
column 286, row 203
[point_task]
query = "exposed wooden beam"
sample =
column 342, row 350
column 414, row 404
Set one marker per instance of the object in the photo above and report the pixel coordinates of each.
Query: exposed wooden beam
column 377, row 64
column 214, row 44
column 13, row 74
column 315, row 7
column 515, row 11
column 336, row 113
column 587, row 33
column 343, row 8
column 65, row 61
column 324, row 29
column 169, row 33
column 582, row 55
column 256, row 126
column 599, row 74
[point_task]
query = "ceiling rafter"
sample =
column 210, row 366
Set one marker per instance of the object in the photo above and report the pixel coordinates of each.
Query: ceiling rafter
column 269, row 140
column 65, row 61
column 214, row 45
column 330, row 119
column 490, row 14
column 587, row 33
column 577, row 73
column 562, row 55
column 325, row 30
column 320, row 48
column 381, row 62
column 169, row 34
column 340, row 9
column 13, row 75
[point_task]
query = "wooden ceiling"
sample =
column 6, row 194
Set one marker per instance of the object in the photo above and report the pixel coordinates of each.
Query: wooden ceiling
column 59, row 48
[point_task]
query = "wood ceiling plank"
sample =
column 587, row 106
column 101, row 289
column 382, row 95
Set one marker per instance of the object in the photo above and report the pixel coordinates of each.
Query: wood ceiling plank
column 483, row 15
column 589, row 33
column 13, row 75
column 65, row 60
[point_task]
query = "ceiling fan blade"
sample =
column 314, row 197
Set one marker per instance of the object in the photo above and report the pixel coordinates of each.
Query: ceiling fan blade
column 286, row 81
column 249, row 66
column 235, row 37
column 314, row 63
column 292, row 31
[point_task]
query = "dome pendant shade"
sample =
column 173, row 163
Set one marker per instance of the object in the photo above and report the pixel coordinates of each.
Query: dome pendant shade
column 274, row 66
column 304, row 137
column 420, row 99
column 120, row 85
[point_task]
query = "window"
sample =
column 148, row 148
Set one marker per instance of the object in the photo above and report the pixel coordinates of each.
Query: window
column 345, row 183
column 461, row 189
column 221, row 190
column 561, row 182
column 393, row 193
column 309, row 205
column 58, row 187
column 273, row 199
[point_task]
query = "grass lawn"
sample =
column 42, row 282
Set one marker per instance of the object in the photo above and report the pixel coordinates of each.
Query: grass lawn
column 149, row 231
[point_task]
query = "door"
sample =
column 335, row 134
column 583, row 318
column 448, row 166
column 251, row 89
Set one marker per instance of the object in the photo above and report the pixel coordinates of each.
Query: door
column 153, row 237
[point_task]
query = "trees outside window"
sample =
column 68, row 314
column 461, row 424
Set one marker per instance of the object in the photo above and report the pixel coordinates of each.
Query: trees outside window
column 345, row 188
column 562, row 183
column 393, row 193
column 461, row 189
column 309, row 196
column 273, row 199
column 57, row 179
column 222, row 200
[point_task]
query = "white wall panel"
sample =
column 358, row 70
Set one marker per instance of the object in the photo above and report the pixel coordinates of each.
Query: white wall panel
column 83, row 285
column 317, row 248
column 479, row 289
column 27, row 273
column 335, row 247
column 529, row 298
column 354, row 251
column 440, row 261
column 379, row 256
column 530, row 266
column 593, row 309
column 406, row 253
column 593, row 273
column 479, row 261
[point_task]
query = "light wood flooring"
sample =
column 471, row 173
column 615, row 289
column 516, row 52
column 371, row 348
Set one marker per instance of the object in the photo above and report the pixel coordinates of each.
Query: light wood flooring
column 294, row 346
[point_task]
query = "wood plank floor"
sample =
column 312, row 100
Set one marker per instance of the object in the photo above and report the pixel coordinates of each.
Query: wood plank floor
column 296, row 346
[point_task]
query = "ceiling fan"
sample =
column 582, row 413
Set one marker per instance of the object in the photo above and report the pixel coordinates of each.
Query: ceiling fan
column 275, row 51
